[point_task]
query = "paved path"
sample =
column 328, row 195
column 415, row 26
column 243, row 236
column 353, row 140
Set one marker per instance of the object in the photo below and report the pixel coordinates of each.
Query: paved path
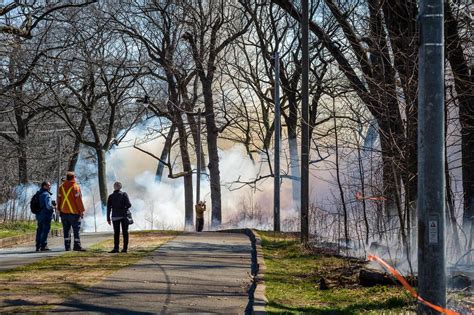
column 205, row 273
column 24, row 254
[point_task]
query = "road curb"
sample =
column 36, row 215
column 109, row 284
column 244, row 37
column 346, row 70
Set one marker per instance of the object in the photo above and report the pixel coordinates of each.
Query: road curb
column 256, row 291
column 15, row 240
column 259, row 299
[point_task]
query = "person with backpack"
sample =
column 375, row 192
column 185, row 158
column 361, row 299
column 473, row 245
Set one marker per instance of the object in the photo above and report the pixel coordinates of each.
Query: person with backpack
column 42, row 207
column 118, row 206
column 71, row 211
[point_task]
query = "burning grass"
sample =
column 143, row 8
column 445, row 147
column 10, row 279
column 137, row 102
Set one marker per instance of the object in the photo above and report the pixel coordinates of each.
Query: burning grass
column 293, row 282
column 39, row 286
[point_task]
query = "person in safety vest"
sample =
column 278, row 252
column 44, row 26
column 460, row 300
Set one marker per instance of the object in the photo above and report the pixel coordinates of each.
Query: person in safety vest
column 71, row 210
column 200, row 208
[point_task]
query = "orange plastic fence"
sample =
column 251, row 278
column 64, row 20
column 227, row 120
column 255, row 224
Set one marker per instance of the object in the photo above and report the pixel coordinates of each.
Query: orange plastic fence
column 409, row 288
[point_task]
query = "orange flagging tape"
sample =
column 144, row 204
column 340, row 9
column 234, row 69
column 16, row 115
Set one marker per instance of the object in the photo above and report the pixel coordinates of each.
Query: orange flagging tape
column 359, row 196
column 409, row 288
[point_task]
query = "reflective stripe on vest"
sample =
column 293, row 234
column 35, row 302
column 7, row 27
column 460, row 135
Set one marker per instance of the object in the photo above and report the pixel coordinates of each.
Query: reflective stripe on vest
column 66, row 199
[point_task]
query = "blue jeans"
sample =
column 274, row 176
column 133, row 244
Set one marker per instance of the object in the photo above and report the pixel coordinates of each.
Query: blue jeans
column 74, row 221
column 42, row 230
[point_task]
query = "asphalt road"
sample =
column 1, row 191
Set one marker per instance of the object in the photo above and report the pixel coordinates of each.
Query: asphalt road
column 25, row 253
column 194, row 273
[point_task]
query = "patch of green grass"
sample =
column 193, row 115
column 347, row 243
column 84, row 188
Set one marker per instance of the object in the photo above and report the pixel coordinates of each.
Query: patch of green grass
column 292, row 283
column 17, row 228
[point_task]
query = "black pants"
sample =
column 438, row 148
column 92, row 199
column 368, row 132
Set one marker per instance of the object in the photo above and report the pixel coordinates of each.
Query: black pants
column 199, row 224
column 124, row 223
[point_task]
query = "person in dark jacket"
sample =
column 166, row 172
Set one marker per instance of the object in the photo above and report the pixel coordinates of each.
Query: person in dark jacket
column 44, row 217
column 117, row 206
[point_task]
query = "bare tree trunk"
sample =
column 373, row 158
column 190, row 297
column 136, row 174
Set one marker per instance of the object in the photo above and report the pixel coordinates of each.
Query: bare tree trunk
column 338, row 177
column 294, row 168
column 102, row 176
column 362, row 183
column 464, row 85
column 214, row 173
column 194, row 132
column 188, row 175
column 22, row 162
column 22, row 132
column 77, row 146
column 292, row 125
column 165, row 153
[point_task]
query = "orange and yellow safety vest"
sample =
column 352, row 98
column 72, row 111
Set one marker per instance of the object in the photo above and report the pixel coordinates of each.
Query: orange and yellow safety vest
column 70, row 198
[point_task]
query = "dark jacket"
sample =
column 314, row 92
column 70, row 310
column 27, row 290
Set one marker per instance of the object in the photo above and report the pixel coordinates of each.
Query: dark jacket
column 117, row 204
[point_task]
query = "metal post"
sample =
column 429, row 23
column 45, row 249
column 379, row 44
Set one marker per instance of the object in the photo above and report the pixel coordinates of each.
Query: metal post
column 198, row 158
column 431, row 158
column 276, row 168
column 305, row 145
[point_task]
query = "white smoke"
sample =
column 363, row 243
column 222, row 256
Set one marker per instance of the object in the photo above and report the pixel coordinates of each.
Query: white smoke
column 161, row 205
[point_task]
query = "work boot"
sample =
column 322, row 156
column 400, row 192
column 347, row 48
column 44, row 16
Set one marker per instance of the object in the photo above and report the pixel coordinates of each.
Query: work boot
column 78, row 247
column 123, row 250
column 67, row 245
column 113, row 251
column 45, row 249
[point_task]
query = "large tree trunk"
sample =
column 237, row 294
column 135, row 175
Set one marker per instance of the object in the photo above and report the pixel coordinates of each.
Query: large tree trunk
column 292, row 126
column 294, row 165
column 214, row 173
column 22, row 162
column 77, row 146
column 401, row 21
column 102, row 177
column 188, row 175
column 22, row 132
column 194, row 131
column 464, row 85
column 74, row 156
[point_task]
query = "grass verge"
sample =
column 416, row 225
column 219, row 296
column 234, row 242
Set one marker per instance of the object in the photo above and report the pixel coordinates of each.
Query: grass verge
column 41, row 285
column 292, row 279
column 10, row 229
